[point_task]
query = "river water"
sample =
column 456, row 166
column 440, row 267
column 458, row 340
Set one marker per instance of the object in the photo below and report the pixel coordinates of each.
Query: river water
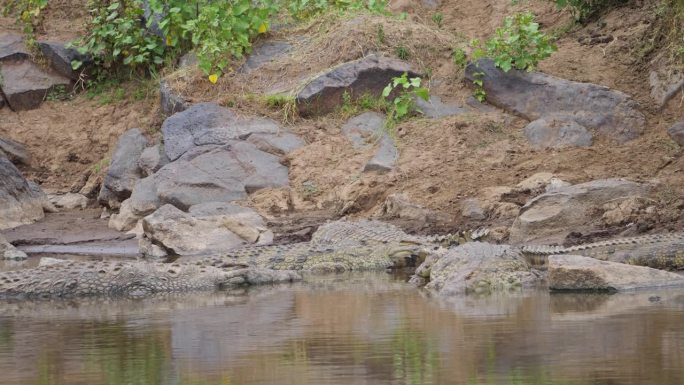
column 347, row 330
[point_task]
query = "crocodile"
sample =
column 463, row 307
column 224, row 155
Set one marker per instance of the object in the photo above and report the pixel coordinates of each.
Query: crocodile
column 661, row 251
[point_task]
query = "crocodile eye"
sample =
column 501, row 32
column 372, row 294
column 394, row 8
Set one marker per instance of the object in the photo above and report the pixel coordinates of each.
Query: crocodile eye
column 102, row 272
column 172, row 272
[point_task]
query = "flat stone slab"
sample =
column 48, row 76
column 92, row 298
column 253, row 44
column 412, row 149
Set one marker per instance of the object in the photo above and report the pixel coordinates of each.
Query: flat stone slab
column 385, row 157
column 435, row 108
column 276, row 144
column 550, row 132
column 12, row 48
column 15, row 151
column 363, row 128
column 209, row 123
column 676, row 132
column 26, row 85
column 576, row 272
column 264, row 53
column 368, row 75
column 533, row 95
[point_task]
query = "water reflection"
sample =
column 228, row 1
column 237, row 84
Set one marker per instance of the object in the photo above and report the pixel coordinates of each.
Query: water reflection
column 361, row 329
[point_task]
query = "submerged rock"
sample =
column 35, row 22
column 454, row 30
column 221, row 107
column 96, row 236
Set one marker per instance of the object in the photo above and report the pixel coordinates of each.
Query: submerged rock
column 575, row 272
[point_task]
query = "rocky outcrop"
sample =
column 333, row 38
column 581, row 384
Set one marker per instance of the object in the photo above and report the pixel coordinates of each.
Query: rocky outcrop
column 15, row 151
column 575, row 272
column 205, row 228
column 676, row 132
column 476, row 267
column 208, row 123
column 550, row 217
column 170, row 102
column 26, row 85
column 60, row 57
column 368, row 75
column 264, row 53
column 534, row 95
column 20, row 201
column 435, row 108
column 123, row 171
column 9, row 252
column 12, row 48
column 152, row 159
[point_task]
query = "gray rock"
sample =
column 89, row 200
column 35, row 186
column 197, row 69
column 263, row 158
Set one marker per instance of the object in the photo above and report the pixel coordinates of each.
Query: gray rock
column 264, row 53
column 26, row 85
column 60, row 58
column 188, row 60
column 9, row 252
column 368, row 75
column 15, row 151
column 550, row 217
column 20, row 202
column 399, row 206
column 676, row 132
column 534, row 95
column 210, row 174
column 123, row 171
column 476, row 267
column 665, row 84
column 12, row 48
column 363, row 129
column 385, row 157
column 576, row 272
column 435, row 108
column 169, row 101
column 68, row 201
column 276, row 144
column 152, row 159
column 209, row 123
column 207, row 228
column 557, row 132
column 472, row 208
column 125, row 219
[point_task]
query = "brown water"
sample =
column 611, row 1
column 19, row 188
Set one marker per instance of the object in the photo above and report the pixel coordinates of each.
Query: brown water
column 362, row 329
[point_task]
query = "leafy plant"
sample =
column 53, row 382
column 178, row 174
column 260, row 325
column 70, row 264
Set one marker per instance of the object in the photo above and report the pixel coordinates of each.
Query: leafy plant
column 404, row 104
column 583, row 10
column 438, row 18
column 459, row 57
column 28, row 13
column 304, row 9
column 517, row 44
column 402, row 52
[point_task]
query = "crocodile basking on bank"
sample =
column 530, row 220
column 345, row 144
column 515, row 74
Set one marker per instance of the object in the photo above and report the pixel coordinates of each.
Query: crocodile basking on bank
column 335, row 247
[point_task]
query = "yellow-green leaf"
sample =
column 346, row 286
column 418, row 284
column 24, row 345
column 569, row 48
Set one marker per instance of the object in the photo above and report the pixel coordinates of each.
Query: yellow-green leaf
column 263, row 28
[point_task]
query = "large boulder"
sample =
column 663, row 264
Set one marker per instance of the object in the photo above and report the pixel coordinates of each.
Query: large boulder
column 60, row 57
column 152, row 159
column 206, row 228
column 26, row 85
column 15, row 151
column 476, row 267
column 20, row 201
column 209, row 123
column 535, row 95
column 550, row 217
column 210, row 174
column 676, row 132
column 12, row 48
column 575, row 272
column 123, row 171
column 368, row 75
column 170, row 101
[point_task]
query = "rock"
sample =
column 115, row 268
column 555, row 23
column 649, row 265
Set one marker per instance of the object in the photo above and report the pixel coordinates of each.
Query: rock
column 363, row 129
column 47, row 261
column 209, row 123
column 385, row 157
column 676, row 132
column 123, row 170
column 12, row 48
column 26, row 85
column 210, row 174
column 125, row 219
column 476, row 267
column 537, row 182
column 550, row 217
column 435, row 108
column 92, row 186
column 264, row 53
column 276, row 144
column 188, row 60
column 169, row 101
column 68, row 201
column 471, row 208
column 9, row 252
column 665, row 84
column 152, row 159
column 206, row 228
column 149, row 250
column 368, row 75
column 575, row 272
column 60, row 58
column 535, row 95
column 15, row 151
column 550, row 132
column 20, row 201
column 398, row 205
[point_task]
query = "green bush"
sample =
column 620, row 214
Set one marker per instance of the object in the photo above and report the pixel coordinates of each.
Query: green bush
column 304, row 9
column 28, row 15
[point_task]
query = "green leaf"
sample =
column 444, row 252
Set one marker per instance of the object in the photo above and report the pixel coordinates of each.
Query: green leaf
column 422, row 93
